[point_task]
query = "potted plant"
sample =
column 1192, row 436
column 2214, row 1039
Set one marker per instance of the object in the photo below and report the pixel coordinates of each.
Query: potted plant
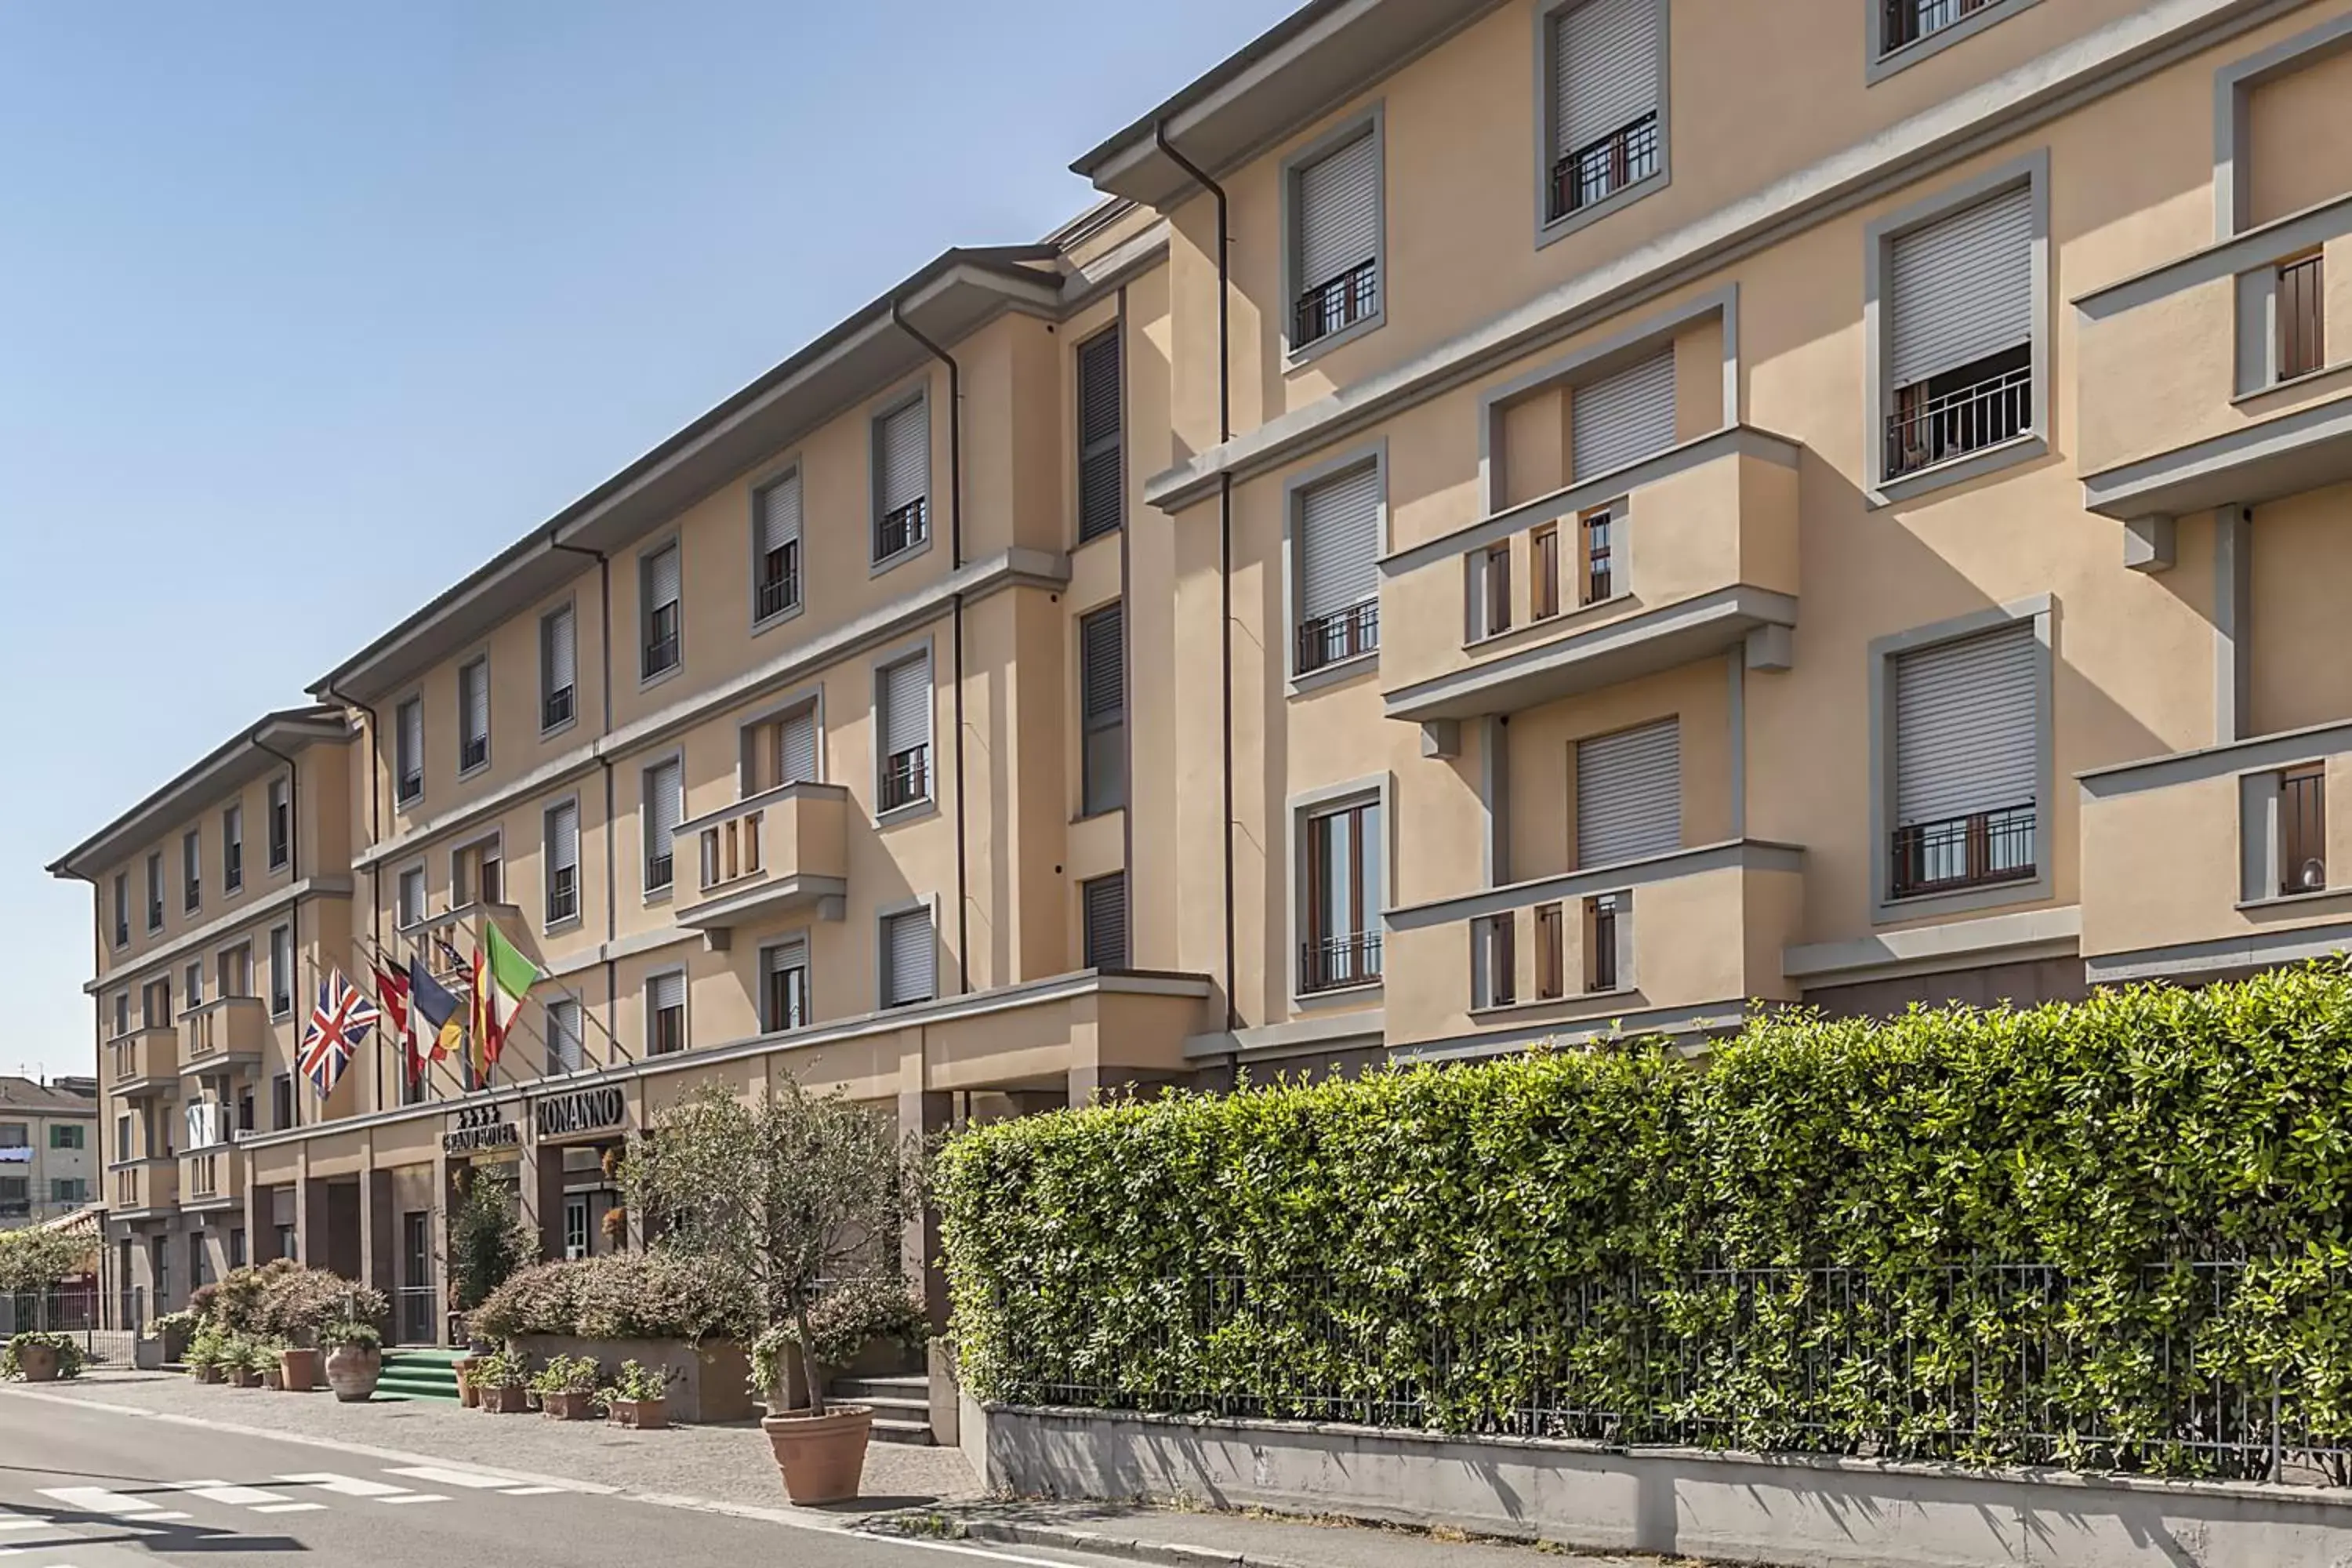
column 638, row 1398
column 38, row 1357
column 269, row 1362
column 250, row 1360
column 177, row 1330
column 298, row 1367
column 204, row 1354
column 499, row 1385
column 354, row 1359
column 469, row 1393
column 782, row 1191
column 566, row 1387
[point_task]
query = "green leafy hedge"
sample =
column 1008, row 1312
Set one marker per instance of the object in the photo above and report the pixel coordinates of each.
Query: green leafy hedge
column 2108, row 1234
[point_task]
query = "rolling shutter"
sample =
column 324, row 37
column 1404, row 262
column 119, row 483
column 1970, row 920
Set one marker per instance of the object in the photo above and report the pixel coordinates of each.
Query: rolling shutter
column 564, row 1053
column 1623, row 418
column 563, row 651
column 1102, row 468
column 796, row 748
column 906, row 706
column 1963, row 289
column 1338, row 213
column 563, row 838
column 775, row 964
column 1629, row 795
column 907, row 958
column 476, row 678
column 412, row 738
column 780, row 514
column 1604, row 70
column 664, row 994
column 903, row 464
column 1967, row 737
column 662, row 808
column 1340, row 544
column 661, row 578
column 1105, row 922
column 1102, row 663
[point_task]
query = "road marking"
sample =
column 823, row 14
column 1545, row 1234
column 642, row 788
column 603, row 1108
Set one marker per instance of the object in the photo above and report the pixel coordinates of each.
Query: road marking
column 473, row 1480
column 290, row 1508
column 414, row 1496
column 98, row 1499
column 533, row 1491
column 235, row 1496
column 344, row 1486
column 22, row 1520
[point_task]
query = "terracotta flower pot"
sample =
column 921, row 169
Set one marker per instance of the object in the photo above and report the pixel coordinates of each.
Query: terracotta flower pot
column 297, row 1369
column 822, row 1457
column 243, row 1377
column 568, row 1406
column 514, row 1400
column 352, row 1372
column 209, row 1374
column 273, row 1379
column 38, row 1364
column 645, row 1414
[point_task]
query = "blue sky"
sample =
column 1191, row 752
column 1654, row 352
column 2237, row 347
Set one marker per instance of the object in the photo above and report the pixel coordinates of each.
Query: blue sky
column 307, row 309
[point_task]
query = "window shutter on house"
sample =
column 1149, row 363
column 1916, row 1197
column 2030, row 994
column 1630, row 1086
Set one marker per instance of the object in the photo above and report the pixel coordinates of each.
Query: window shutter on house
column 906, row 705
column 1623, row 418
column 909, row 950
column 1967, row 739
column 1629, row 795
column 786, row 955
column 1340, row 544
column 1604, row 70
column 564, row 1041
column 412, row 736
column 477, row 700
column 796, row 747
column 1338, row 212
column 562, row 650
column 904, row 466
column 1102, row 467
column 662, row 807
column 1962, row 288
column 1105, row 922
column 664, row 992
column 1102, row 662
column 780, row 514
column 661, row 578
column 563, row 838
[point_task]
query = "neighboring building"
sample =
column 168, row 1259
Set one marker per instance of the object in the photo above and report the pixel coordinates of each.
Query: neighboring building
column 1557, row 543
column 48, row 1149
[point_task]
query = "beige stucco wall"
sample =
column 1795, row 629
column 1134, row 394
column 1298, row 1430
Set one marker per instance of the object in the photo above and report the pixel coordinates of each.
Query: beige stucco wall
column 2299, row 128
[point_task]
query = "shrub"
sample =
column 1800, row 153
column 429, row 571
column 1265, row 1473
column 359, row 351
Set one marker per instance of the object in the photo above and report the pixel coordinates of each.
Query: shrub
column 35, row 1259
column 488, row 1242
column 499, row 1369
column 627, row 1296
column 68, row 1349
column 635, row 1384
column 282, row 1299
column 207, row 1347
column 567, row 1374
column 1936, row 1236
column 352, row 1334
column 180, row 1325
column 841, row 1322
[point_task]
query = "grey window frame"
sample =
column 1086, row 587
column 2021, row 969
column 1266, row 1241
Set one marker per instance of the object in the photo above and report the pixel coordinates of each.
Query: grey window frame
column 402, row 919
column 806, row 941
column 1114, row 335
column 657, row 892
column 233, row 847
column 550, row 921
column 480, row 661
column 790, row 473
column 1114, row 795
column 1087, row 957
column 1548, row 229
column 120, row 932
column 1294, row 571
column 281, row 854
column 646, row 607
column 883, row 411
column 685, row 1008
column 1376, row 789
column 281, row 939
column 192, row 870
column 1878, row 63
column 926, row 909
column 401, row 793
column 929, row 800
column 1372, row 120
column 547, row 688
column 154, row 891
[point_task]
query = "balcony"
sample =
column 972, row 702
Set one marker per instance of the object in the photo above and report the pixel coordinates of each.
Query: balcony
column 2213, row 862
column 783, row 849
column 1676, row 943
column 1690, row 553
column 143, row 1189
column 227, row 1035
column 145, row 1062
column 211, row 1178
column 2218, row 379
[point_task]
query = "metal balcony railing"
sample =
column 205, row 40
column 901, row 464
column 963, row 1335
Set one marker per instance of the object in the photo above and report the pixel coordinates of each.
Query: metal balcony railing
column 1981, row 850
column 1925, row 430
column 904, row 529
column 1600, row 169
column 1342, row 634
column 906, row 777
column 2302, row 831
column 779, row 588
column 1336, row 303
column 1330, row 963
column 2301, row 317
column 555, row 708
column 472, row 752
column 1909, row 21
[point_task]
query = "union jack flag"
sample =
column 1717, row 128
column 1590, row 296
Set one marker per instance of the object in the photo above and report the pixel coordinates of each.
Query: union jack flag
column 338, row 1025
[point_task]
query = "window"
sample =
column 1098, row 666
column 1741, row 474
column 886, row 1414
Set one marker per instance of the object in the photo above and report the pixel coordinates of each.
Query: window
column 155, row 891
column 123, row 1142
column 409, row 750
column 902, row 479
column 235, row 971
column 1966, row 763
column 1598, row 530
column 16, row 1135
column 1103, row 909
column 664, row 808
column 288, row 1246
column 1629, row 795
column 1604, row 71
column 69, row 1189
column 1102, row 708
column 904, row 693
column 1494, row 963
column 408, row 908
column 233, row 849
column 559, row 667
column 575, row 1227
column 162, row 1253
column 282, row 824
column 236, row 1248
column 281, row 971
column 473, row 715
column 1490, row 591
column 562, row 831
column 1338, row 553
column 796, row 746
column 2302, row 316
column 1606, row 917
column 155, row 1004
column 1344, row 887
column 784, row 987
column 121, row 1014
column 64, row 1135
column 910, row 967
column 196, row 1273
column 1543, row 572
column 1551, row 952
column 245, row 1122
column 121, row 909
column 2303, row 829
column 1905, row 22
column 1622, row 418
column 776, row 548
column 1960, row 348
column 192, row 871
column 1335, row 213
column 1102, row 463
column 282, row 1105
column 660, row 616
column 193, row 985
column 666, row 1013
column 477, row 873
column 566, row 1045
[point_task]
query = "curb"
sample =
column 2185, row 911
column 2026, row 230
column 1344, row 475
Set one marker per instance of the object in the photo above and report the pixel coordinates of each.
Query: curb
column 1170, row 1554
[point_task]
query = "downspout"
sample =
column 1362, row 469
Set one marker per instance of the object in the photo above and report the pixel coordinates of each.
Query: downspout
column 293, row 870
column 375, row 836
column 1224, row 528
column 955, row 565
column 604, row 762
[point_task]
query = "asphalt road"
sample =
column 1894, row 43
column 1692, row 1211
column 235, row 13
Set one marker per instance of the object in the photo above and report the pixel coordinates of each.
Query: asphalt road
column 84, row 1487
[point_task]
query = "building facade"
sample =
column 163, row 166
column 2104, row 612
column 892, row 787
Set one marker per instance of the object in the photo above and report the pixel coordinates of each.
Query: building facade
column 48, row 1149
column 1494, row 531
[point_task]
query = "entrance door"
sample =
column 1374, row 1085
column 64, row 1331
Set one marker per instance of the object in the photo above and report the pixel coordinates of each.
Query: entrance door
column 416, row 1288
column 575, row 1226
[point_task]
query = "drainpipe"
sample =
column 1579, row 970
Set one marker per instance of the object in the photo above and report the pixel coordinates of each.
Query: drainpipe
column 604, row 762
column 1224, row 527
column 375, row 836
column 955, row 565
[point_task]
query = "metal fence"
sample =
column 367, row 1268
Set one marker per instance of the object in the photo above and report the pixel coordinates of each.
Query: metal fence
column 2184, row 1368
column 75, row 1310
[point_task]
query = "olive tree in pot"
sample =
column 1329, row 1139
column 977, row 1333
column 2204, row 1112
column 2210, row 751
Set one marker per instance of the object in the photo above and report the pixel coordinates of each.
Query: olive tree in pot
column 782, row 1192
column 354, row 1359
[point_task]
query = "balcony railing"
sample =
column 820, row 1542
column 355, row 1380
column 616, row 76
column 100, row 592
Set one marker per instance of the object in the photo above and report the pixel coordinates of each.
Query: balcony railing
column 730, row 850
column 660, row 653
column 1909, row 21
column 1340, row 302
column 1331, row 962
column 472, row 753
column 2303, row 830
column 1599, row 170
column 562, row 894
column 1981, row 849
column 904, row 529
column 2301, row 317
column 780, row 590
column 555, row 708
column 1925, row 431
column 1342, row 634
column 906, row 777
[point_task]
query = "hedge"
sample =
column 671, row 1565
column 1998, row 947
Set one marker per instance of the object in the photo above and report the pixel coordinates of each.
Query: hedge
column 655, row 1295
column 2103, row 1235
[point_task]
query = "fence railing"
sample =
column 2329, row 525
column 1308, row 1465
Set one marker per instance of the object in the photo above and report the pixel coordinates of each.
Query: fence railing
column 1909, row 21
column 1342, row 301
column 1602, row 168
column 1923, row 431
column 1342, row 634
column 1980, row 849
column 1980, row 1364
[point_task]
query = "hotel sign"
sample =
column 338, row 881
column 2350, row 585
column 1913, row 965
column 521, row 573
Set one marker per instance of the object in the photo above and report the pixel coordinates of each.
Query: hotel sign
column 585, row 1110
column 478, row 1128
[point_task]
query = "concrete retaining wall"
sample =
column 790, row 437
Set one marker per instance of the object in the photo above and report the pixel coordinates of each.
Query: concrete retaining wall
column 707, row 1381
column 1794, row 1510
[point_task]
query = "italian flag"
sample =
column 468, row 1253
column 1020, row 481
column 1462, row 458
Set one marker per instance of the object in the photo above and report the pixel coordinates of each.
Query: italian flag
column 502, row 978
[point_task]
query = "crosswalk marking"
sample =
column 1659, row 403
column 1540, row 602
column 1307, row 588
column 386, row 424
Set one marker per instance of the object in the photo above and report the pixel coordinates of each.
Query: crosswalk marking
column 22, row 1521
column 536, row 1492
column 414, row 1496
column 289, row 1507
column 344, row 1486
column 473, row 1480
column 98, row 1499
column 223, row 1491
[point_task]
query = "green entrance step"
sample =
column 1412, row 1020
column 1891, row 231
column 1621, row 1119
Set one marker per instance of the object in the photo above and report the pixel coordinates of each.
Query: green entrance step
column 422, row 1373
